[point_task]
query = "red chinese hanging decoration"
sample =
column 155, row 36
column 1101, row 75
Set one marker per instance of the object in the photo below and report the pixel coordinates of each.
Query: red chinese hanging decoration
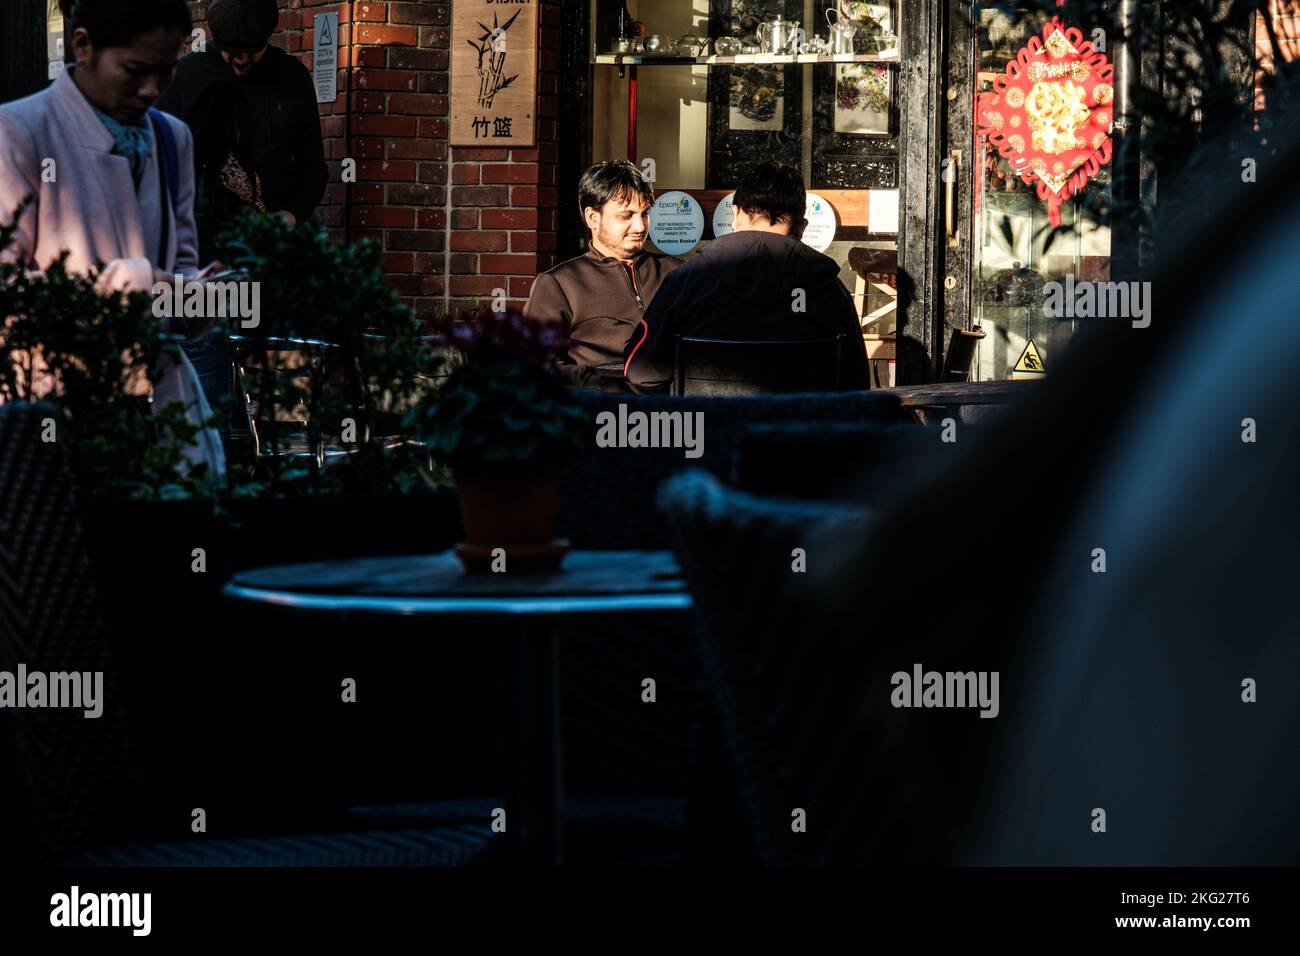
column 1050, row 113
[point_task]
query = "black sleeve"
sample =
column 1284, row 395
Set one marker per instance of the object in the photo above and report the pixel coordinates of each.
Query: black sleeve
column 648, row 356
column 308, row 152
column 855, row 370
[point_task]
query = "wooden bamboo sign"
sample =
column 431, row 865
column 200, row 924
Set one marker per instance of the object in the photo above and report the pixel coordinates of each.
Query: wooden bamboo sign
column 494, row 73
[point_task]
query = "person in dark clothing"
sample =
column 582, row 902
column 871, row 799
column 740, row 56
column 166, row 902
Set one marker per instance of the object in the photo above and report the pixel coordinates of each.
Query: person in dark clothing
column 600, row 297
column 226, row 181
column 759, row 282
column 279, row 97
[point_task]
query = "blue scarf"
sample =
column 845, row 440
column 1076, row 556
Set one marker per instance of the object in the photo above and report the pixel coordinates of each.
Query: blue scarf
column 134, row 142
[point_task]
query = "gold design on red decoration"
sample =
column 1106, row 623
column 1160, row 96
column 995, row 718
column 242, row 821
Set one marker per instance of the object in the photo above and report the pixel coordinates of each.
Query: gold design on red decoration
column 1015, row 120
column 1015, row 97
column 1017, row 142
column 1055, row 111
column 1058, row 46
column 1102, row 93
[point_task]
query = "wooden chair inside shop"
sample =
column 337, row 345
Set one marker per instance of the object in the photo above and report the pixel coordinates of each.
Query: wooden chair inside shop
column 263, row 366
column 756, row 366
column 875, row 296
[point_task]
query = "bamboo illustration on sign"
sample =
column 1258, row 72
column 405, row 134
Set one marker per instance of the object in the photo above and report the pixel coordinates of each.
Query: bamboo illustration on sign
column 492, row 60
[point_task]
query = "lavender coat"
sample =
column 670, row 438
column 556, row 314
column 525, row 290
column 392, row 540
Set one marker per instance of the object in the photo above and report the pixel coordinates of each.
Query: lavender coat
column 94, row 211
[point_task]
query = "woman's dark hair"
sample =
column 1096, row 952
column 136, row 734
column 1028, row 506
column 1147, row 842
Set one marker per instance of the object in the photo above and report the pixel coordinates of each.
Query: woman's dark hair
column 119, row 22
column 774, row 190
column 614, row 179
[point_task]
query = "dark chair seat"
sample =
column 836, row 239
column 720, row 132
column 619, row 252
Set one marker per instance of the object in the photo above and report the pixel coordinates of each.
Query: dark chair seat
column 442, row 846
column 756, row 366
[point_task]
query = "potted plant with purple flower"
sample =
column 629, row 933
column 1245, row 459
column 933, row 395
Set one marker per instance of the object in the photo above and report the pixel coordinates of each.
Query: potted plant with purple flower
column 506, row 423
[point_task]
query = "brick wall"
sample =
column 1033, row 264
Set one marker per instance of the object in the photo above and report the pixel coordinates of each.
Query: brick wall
column 455, row 224
column 1285, row 15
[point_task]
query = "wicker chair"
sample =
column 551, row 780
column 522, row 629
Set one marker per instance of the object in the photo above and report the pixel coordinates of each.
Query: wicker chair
column 68, row 798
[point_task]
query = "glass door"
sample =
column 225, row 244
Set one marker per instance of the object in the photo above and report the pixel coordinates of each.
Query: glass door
column 1038, row 198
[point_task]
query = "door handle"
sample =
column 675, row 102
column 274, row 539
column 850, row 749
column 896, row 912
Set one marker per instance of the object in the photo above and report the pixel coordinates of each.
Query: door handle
column 950, row 172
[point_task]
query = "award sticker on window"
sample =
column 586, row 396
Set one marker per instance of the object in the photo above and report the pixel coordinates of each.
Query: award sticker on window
column 676, row 223
column 724, row 216
column 820, row 231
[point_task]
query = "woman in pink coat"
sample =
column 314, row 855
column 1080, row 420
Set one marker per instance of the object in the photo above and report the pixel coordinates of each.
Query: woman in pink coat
column 110, row 182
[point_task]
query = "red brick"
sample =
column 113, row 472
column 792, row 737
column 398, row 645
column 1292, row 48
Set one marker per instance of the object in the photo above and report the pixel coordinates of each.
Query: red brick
column 401, row 80
column 417, row 195
column 384, row 125
column 467, row 241
column 386, row 36
column 510, row 173
column 406, row 285
column 333, row 126
column 509, row 265
column 433, row 82
column 403, row 58
column 511, row 219
column 368, row 102
column 416, row 240
column 478, row 196
column 368, row 147
column 533, row 196
column 367, row 194
column 431, row 285
column 437, row 38
column 532, row 241
column 465, row 174
column 413, row 13
column 393, row 217
column 433, row 128
column 437, row 218
column 417, row 149
column 483, row 155
column 422, row 104
column 376, row 170
column 429, row 262
column 368, row 10
column 432, row 173
column 521, row 286
column 465, row 218
column 369, row 57
column 398, row 261
column 463, row 264
column 475, row 285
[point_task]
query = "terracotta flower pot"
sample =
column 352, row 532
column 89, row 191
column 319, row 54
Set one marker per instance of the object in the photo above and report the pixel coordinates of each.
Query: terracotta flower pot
column 516, row 514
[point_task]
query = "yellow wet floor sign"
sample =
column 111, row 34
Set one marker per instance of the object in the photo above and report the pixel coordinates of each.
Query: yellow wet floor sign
column 1030, row 363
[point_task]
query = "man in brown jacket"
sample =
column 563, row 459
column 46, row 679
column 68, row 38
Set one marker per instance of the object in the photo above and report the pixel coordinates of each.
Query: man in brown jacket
column 601, row 296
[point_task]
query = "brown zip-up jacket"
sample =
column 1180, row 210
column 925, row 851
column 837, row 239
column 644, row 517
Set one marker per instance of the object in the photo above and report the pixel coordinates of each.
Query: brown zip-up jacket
column 600, row 305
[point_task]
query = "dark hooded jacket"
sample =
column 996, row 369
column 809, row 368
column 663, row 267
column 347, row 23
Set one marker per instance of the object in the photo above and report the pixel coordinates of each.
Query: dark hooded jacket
column 743, row 286
column 283, row 122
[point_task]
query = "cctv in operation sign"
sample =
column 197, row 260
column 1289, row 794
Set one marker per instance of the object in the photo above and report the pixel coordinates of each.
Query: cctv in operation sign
column 494, row 73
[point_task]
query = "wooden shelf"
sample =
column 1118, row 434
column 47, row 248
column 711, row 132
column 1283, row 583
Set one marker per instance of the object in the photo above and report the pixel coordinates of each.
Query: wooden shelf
column 620, row 59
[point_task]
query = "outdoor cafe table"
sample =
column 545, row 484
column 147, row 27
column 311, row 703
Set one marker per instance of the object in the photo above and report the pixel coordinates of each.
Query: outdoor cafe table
column 531, row 607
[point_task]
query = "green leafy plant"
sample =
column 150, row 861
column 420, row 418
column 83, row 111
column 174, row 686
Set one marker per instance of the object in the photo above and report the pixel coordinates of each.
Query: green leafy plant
column 378, row 363
column 94, row 357
column 504, row 404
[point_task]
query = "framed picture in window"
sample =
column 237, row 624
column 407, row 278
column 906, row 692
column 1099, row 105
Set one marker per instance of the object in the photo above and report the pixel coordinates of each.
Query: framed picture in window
column 864, row 99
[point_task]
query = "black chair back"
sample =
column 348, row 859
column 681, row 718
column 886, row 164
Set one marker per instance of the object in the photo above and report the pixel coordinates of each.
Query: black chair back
column 65, row 777
column 961, row 352
column 756, row 366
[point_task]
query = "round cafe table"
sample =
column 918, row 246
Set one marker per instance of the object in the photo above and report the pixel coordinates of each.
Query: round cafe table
column 533, row 608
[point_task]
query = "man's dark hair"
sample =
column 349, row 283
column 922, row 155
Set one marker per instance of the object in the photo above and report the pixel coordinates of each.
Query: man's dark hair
column 774, row 190
column 615, row 179
column 119, row 22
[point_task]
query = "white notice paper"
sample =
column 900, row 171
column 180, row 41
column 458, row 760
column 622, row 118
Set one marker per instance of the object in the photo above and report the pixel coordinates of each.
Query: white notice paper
column 325, row 57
